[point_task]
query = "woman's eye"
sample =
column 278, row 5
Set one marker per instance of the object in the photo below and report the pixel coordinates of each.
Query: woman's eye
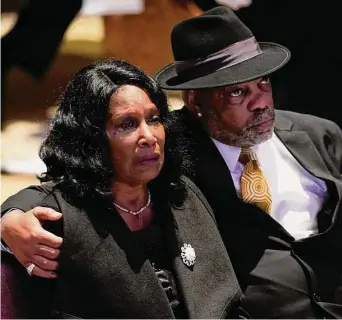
column 236, row 93
column 265, row 80
column 154, row 120
column 127, row 124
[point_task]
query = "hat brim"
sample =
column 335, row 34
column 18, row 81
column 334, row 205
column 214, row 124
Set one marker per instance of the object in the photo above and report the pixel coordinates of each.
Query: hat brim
column 273, row 57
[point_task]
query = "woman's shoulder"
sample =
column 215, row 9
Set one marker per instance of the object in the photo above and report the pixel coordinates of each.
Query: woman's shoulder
column 27, row 198
column 189, row 184
column 191, row 187
column 195, row 194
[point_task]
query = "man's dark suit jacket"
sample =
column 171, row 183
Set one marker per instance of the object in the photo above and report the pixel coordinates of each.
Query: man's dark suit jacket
column 252, row 238
column 103, row 273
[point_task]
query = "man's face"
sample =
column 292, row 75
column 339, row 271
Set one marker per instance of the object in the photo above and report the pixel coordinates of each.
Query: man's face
column 240, row 115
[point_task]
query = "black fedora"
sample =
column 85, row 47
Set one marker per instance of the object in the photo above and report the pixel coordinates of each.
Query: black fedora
column 216, row 49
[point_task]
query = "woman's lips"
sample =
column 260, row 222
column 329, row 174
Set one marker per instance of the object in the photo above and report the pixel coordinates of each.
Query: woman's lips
column 149, row 159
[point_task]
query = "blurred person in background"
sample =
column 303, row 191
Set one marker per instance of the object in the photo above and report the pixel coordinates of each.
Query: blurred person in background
column 34, row 40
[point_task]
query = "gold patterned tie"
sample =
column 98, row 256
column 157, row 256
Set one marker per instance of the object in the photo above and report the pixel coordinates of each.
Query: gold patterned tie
column 253, row 184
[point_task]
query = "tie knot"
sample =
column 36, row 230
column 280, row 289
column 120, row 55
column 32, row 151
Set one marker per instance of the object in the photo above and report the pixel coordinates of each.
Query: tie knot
column 247, row 155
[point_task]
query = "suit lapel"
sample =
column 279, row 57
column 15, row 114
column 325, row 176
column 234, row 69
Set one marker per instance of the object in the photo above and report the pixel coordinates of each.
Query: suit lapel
column 305, row 152
column 303, row 149
column 212, row 278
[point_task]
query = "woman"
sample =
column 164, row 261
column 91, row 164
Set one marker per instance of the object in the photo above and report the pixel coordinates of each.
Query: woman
column 139, row 241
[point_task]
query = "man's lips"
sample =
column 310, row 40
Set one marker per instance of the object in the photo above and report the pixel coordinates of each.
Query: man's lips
column 263, row 123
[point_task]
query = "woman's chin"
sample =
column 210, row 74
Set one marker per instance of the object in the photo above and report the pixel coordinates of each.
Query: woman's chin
column 149, row 174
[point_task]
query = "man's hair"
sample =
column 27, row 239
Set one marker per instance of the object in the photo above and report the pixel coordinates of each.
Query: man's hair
column 76, row 151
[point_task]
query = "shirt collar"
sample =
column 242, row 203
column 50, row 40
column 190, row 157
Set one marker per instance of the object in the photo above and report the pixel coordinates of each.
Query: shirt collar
column 231, row 154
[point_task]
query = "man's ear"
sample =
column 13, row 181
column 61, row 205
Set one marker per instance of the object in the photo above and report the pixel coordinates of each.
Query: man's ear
column 189, row 97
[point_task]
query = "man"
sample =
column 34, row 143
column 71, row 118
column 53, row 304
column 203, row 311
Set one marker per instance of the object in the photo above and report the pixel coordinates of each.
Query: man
column 298, row 170
column 272, row 178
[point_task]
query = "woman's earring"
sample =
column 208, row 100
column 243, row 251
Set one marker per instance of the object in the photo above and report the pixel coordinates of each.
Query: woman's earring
column 199, row 114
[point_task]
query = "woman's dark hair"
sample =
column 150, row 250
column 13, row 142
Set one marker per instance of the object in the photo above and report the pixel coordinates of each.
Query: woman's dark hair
column 76, row 151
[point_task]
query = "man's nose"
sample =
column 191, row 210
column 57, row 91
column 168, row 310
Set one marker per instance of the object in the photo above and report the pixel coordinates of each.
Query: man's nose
column 259, row 101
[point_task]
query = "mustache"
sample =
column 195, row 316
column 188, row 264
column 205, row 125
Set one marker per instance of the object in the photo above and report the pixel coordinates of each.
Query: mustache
column 261, row 115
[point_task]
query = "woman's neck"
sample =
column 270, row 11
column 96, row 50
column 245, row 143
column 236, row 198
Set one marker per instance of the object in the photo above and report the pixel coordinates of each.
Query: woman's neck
column 130, row 197
column 133, row 198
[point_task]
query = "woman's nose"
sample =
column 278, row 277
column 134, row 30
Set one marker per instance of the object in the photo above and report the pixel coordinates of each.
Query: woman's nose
column 147, row 137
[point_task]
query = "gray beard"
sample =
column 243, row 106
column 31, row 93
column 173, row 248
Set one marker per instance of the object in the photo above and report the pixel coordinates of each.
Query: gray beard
column 246, row 139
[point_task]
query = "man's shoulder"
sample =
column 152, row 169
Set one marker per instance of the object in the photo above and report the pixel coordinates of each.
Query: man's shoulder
column 305, row 122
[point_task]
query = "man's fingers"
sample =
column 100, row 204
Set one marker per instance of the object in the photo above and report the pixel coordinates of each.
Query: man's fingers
column 49, row 239
column 47, row 252
column 43, row 213
column 39, row 272
column 44, row 264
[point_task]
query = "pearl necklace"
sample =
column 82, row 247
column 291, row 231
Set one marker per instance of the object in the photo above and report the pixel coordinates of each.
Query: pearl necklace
column 135, row 213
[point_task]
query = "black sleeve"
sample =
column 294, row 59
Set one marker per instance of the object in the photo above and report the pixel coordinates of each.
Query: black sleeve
column 26, row 199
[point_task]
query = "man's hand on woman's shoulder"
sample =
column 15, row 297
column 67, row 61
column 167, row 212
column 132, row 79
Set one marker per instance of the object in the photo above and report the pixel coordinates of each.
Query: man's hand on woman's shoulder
column 29, row 242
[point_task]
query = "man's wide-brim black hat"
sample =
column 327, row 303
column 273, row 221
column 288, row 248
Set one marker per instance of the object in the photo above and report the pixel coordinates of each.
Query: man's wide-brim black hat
column 216, row 49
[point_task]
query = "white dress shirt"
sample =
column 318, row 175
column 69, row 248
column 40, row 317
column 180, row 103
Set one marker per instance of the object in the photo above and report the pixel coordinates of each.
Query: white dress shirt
column 297, row 196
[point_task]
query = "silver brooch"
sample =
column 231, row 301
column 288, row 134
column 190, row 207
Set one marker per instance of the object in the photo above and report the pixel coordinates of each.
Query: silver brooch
column 188, row 255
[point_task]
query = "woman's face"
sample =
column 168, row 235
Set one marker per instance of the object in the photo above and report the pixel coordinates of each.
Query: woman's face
column 136, row 136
